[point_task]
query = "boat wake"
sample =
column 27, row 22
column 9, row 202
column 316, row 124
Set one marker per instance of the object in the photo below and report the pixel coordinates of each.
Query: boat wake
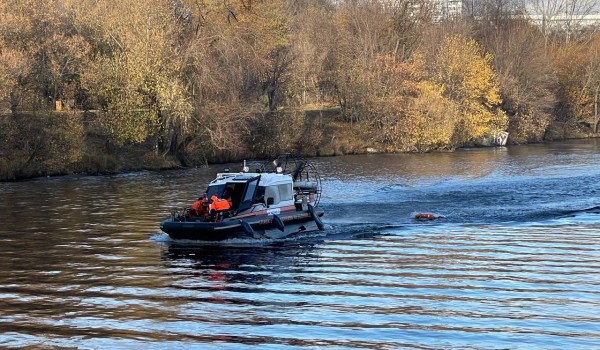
column 486, row 200
column 161, row 237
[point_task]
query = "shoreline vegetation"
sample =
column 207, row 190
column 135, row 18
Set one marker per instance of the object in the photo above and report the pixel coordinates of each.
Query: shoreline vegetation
column 107, row 87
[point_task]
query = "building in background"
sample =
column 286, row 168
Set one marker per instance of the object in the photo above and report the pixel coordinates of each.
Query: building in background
column 451, row 8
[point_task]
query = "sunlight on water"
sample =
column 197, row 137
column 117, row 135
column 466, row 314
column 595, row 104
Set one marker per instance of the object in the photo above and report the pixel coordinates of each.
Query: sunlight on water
column 511, row 261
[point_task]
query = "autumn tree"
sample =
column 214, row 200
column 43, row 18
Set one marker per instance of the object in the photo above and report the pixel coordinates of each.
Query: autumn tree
column 409, row 113
column 135, row 76
column 363, row 31
column 42, row 53
column 527, row 83
column 41, row 59
column 592, row 85
column 236, row 64
column 14, row 67
column 523, row 67
column 578, row 70
column 409, row 22
column 314, row 44
column 464, row 71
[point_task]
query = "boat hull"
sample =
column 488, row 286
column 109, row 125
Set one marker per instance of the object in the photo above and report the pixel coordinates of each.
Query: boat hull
column 285, row 225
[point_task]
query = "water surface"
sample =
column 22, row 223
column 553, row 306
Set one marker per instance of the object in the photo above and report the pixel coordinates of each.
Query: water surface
column 512, row 262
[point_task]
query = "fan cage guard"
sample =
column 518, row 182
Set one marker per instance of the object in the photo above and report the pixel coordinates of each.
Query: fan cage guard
column 300, row 168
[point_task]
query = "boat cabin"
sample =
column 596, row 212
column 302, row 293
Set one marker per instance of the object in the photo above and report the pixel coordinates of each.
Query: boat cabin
column 254, row 191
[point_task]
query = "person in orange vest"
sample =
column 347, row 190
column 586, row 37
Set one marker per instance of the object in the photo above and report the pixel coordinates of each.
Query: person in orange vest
column 199, row 208
column 219, row 204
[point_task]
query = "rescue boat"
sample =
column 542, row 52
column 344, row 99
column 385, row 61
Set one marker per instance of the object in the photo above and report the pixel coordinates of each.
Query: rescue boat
column 278, row 200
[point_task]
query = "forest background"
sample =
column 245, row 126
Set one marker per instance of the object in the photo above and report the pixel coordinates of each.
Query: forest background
column 104, row 86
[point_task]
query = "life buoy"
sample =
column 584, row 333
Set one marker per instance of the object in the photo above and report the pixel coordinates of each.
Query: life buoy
column 425, row 216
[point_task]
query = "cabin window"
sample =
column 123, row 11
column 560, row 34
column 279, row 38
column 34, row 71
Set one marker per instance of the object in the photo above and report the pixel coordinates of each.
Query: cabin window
column 259, row 197
column 285, row 192
column 272, row 192
column 279, row 193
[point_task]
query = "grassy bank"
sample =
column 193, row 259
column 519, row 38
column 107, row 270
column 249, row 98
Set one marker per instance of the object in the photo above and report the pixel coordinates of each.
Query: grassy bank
column 66, row 143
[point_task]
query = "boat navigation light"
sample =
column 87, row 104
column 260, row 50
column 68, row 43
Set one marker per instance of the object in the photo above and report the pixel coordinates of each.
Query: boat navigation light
column 226, row 170
column 279, row 168
column 245, row 168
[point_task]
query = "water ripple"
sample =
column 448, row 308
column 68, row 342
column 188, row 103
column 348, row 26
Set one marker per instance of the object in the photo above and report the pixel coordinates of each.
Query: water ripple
column 91, row 270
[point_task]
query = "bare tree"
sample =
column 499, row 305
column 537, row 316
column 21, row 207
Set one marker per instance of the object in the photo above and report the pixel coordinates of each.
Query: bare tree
column 556, row 16
column 575, row 12
column 592, row 85
column 409, row 20
column 522, row 65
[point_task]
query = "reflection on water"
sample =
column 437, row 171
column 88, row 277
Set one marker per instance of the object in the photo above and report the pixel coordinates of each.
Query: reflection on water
column 511, row 263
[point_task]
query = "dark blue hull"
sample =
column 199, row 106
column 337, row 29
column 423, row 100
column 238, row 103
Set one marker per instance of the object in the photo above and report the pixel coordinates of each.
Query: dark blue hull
column 281, row 226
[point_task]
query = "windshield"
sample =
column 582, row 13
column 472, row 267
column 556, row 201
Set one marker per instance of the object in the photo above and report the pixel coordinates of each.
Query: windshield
column 248, row 194
column 216, row 190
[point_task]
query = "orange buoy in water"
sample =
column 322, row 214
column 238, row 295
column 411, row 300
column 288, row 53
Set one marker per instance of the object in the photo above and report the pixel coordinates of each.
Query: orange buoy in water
column 425, row 216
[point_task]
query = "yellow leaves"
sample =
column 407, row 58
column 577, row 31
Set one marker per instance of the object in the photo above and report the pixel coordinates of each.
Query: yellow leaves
column 409, row 113
column 465, row 72
column 147, row 62
column 430, row 119
column 457, row 102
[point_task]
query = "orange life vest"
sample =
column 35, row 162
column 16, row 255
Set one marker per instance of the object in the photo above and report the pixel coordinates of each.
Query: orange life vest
column 199, row 207
column 219, row 204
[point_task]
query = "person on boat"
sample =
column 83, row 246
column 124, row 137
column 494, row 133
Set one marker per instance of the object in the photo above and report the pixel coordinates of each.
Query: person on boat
column 259, row 196
column 227, row 196
column 218, row 208
column 200, row 207
column 219, row 204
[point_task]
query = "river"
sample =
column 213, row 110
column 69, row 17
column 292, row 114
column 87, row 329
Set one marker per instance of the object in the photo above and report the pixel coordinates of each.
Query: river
column 512, row 262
